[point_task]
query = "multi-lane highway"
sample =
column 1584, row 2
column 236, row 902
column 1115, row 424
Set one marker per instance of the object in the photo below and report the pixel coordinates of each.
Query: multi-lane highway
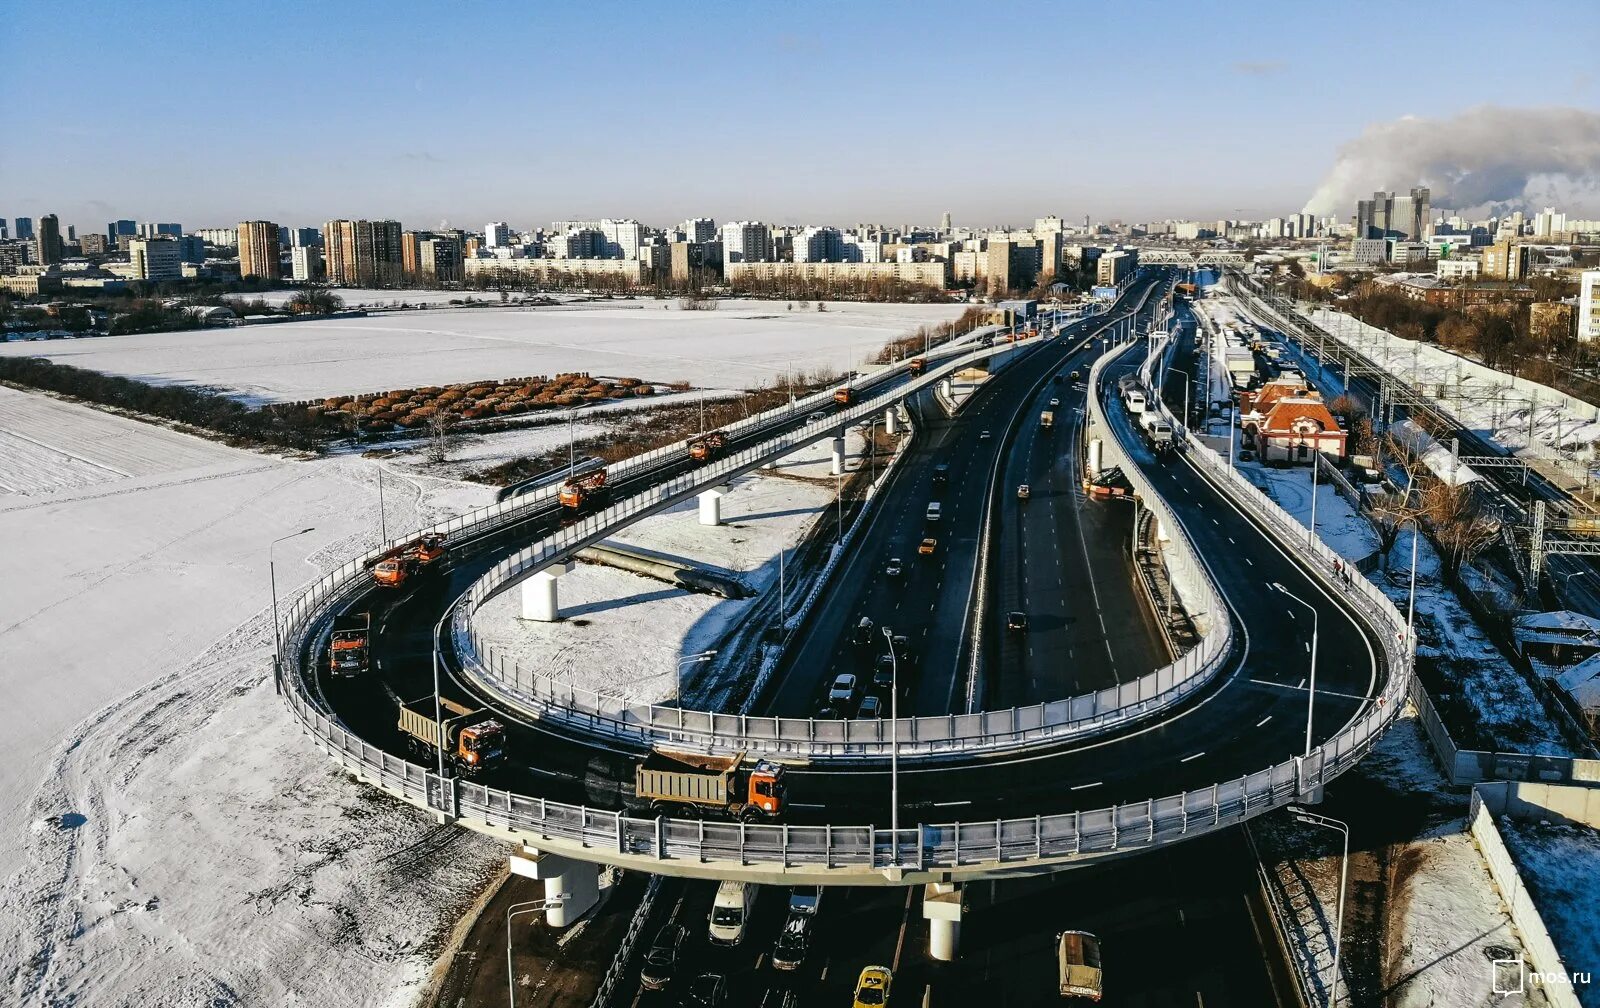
column 1253, row 718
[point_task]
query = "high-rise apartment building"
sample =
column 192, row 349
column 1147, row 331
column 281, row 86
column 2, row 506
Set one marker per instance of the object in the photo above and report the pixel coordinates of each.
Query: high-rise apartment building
column 1505, row 260
column 363, row 253
column 24, row 228
column 258, row 250
column 1388, row 215
column 305, row 263
column 496, row 234
column 303, row 236
column 699, row 230
column 219, row 237
column 1548, row 222
column 746, row 241
column 156, row 259
column 623, row 238
column 118, row 230
column 1589, row 306
column 440, row 259
column 49, row 243
column 944, row 222
column 819, row 244
column 92, row 244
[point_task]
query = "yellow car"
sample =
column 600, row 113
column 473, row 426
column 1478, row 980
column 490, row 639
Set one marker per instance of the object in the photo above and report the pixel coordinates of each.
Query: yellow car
column 928, row 546
column 1023, row 492
column 872, row 990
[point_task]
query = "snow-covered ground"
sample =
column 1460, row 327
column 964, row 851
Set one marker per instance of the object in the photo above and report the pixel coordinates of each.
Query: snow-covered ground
column 622, row 633
column 1439, row 921
column 367, row 298
column 1561, row 864
column 1338, row 523
column 166, row 835
column 741, row 344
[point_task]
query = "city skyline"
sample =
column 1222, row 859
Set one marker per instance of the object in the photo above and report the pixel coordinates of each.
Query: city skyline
column 828, row 114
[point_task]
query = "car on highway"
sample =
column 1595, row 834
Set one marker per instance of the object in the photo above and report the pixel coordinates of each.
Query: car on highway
column 941, row 473
column 805, row 900
column 870, row 709
column 843, row 688
column 793, row 942
column 1017, row 621
column 872, row 987
column 1074, row 376
column 709, row 990
column 778, row 997
column 927, row 546
column 894, row 568
column 661, row 962
column 863, row 631
column 984, row 436
column 1055, row 403
column 1023, row 491
column 815, row 417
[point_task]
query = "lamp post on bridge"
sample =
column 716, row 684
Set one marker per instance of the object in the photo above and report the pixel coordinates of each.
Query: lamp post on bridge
column 277, row 632
column 894, row 747
column 703, row 656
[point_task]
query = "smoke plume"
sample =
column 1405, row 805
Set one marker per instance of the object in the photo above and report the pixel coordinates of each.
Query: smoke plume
column 1486, row 159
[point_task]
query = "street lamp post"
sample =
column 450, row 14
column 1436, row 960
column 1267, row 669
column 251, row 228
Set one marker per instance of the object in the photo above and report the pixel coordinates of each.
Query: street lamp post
column 1311, row 693
column 703, row 656
column 1316, row 459
column 277, row 632
column 894, row 746
column 517, row 910
column 1343, row 829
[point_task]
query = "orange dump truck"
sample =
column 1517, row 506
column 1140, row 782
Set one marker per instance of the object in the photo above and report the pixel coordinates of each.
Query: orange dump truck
column 844, row 396
column 392, row 569
column 347, row 646
column 471, row 739
column 718, row 784
column 918, row 365
column 708, row 446
column 579, row 490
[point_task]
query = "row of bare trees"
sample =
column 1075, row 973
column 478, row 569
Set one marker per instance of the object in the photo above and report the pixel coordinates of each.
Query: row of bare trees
column 1454, row 516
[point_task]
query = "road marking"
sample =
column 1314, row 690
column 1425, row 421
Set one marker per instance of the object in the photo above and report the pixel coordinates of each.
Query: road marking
column 1263, row 720
column 947, row 804
column 1301, row 684
column 1195, row 756
column 1249, row 561
column 1082, row 787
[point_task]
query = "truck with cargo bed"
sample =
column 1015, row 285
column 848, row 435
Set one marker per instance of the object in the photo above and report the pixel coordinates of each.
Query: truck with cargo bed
column 1078, row 961
column 393, row 568
column 672, row 782
column 1156, row 431
column 708, row 446
column 1047, row 419
column 347, row 645
column 472, row 739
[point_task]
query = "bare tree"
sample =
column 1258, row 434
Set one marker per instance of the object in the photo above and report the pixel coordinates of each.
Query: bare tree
column 441, row 436
column 1461, row 527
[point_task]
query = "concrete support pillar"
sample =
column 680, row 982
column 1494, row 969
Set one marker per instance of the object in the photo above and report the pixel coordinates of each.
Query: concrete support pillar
column 948, row 387
column 711, row 505
column 1096, row 449
column 941, row 906
column 571, row 888
column 539, row 594
column 891, row 420
column 838, row 457
column 1161, row 531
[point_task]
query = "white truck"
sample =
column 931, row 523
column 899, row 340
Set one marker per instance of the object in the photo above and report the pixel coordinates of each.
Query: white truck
column 1156, row 431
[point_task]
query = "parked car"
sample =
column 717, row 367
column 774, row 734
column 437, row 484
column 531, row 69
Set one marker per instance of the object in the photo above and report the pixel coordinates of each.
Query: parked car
column 843, row 688
column 872, row 987
column 661, row 962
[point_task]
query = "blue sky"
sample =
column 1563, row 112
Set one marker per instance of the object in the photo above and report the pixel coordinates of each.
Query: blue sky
column 206, row 113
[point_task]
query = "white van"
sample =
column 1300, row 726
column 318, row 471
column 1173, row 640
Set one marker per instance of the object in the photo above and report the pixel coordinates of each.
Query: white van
column 933, row 511
column 731, row 910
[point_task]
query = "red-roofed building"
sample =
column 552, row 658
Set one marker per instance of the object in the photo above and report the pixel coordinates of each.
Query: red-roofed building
column 1293, row 428
column 1263, row 398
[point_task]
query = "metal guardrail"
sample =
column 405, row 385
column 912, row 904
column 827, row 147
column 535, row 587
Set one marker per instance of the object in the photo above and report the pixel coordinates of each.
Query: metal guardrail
column 630, row 940
column 544, row 697
column 864, row 851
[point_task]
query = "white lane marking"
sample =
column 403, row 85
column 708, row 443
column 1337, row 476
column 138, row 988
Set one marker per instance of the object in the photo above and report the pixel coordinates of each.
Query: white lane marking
column 1263, row 720
column 1195, row 756
column 1081, row 787
column 947, row 804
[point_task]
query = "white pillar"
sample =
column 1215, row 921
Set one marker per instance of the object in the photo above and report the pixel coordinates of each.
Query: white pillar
column 1161, row 531
column 571, row 888
column 941, row 906
column 711, row 505
column 891, row 420
column 838, row 457
column 1095, row 449
column 539, row 594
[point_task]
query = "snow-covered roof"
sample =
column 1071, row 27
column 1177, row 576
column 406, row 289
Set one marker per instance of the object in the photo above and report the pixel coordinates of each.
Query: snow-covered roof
column 1559, row 627
column 1582, row 683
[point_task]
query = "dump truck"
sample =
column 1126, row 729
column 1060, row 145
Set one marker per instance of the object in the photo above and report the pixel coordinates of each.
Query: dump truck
column 1157, row 432
column 579, row 490
column 347, row 647
column 708, row 446
column 918, row 365
column 844, row 396
column 1187, row 290
column 1047, row 419
column 1078, row 958
column 393, row 568
column 472, row 739
column 724, row 785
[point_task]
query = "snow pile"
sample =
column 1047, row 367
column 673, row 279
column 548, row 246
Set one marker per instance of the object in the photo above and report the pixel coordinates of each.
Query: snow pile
column 1561, row 864
column 741, row 344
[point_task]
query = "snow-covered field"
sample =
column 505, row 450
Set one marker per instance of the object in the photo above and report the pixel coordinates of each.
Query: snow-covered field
column 741, row 344
column 166, row 835
column 622, row 633
column 365, row 298
column 1561, row 863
